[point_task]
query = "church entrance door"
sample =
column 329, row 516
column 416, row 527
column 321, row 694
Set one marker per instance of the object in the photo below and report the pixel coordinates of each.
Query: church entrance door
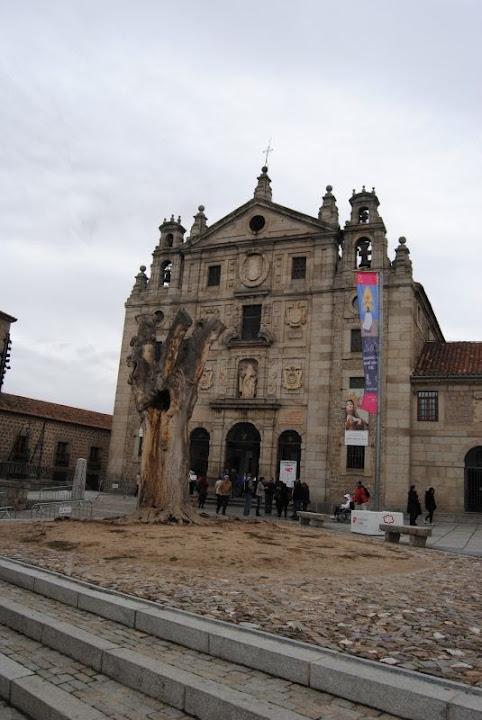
column 473, row 480
column 242, row 448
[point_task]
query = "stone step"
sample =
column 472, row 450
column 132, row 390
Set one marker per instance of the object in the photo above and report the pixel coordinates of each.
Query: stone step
column 46, row 684
column 211, row 669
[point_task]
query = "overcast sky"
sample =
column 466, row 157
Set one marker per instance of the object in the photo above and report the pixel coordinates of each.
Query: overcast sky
column 116, row 113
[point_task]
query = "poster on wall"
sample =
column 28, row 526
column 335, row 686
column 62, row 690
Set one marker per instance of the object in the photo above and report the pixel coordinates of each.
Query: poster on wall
column 368, row 307
column 287, row 472
column 356, row 419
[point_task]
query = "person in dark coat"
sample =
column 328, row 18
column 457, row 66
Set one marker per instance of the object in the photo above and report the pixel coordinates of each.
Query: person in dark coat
column 268, row 496
column 430, row 504
column 297, row 499
column 282, row 498
column 306, row 495
column 414, row 509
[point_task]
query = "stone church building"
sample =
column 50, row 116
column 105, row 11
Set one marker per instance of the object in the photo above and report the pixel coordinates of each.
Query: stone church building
column 279, row 383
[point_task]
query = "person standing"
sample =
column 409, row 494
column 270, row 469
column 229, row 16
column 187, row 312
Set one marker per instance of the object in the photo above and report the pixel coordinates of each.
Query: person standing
column 248, row 494
column 259, row 494
column 225, row 490
column 268, row 496
column 282, row 498
column 360, row 497
column 217, row 492
column 202, row 488
column 297, row 499
column 430, row 504
column 414, row 508
column 306, row 495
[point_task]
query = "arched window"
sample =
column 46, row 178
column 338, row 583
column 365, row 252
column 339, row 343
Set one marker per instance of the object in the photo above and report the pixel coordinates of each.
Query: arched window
column 166, row 269
column 289, row 448
column 199, row 451
column 364, row 215
column 169, row 239
column 363, row 253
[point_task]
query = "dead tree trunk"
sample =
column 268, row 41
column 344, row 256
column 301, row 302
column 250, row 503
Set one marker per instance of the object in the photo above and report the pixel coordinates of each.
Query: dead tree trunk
column 165, row 393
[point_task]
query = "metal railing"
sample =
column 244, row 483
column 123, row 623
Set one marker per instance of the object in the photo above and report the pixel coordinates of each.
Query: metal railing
column 77, row 509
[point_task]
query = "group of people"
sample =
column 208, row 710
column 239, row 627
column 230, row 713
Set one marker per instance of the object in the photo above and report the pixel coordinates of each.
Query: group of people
column 258, row 493
column 414, row 508
column 359, row 499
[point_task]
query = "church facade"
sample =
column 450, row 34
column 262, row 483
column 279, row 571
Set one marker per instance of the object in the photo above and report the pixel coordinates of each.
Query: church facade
column 283, row 383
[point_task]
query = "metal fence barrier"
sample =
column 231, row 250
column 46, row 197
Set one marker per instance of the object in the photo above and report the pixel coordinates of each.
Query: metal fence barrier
column 77, row 509
column 55, row 493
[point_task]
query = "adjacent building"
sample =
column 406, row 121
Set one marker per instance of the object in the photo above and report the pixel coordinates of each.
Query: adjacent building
column 285, row 380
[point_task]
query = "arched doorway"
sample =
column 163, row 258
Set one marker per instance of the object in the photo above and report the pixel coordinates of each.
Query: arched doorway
column 199, row 451
column 473, row 480
column 289, row 448
column 242, row 448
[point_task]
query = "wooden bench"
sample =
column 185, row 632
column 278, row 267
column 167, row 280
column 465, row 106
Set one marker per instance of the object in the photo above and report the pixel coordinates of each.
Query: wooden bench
column 311, row 518
column 417, row 535
column 7, row 511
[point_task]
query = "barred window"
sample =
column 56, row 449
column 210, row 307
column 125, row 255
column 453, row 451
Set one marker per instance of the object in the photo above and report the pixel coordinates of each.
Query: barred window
column 251, row 322
column 355, row 457
column 298, row 268
column 355, row 341
column 427, row 405
column 214, row 275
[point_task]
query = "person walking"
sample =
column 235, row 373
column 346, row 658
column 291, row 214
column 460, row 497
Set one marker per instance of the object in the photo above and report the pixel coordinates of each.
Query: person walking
column 414, row 508
column 430, row 504
column 217, row 492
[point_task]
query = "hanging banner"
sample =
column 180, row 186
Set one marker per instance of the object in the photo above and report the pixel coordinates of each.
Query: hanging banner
column 368, row 307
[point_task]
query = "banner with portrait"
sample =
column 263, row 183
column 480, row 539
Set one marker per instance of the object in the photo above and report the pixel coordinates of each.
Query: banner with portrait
column 356, row 419
column 368, row 308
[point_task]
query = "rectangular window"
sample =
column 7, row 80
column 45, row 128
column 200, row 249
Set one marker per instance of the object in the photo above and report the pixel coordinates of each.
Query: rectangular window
column 251, row 322
column 355, row 457
column 95, row 457
column 357, row 383
column 214, row 275
column 62, row 455
column 427, row 405
column 298, row 268
column 356, row 343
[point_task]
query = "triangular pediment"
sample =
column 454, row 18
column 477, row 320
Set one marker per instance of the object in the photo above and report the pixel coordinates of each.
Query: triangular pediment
column 258, row 220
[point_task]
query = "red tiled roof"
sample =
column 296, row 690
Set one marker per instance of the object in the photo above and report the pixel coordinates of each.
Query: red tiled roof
column 452, row 359
column 52, row 411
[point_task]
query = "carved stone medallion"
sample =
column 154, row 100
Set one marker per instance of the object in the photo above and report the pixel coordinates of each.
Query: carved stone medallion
column 254, row 269
column 292, row 376
column 296, row 314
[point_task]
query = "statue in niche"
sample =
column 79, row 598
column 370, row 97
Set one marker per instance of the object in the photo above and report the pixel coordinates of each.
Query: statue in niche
column 247, row 378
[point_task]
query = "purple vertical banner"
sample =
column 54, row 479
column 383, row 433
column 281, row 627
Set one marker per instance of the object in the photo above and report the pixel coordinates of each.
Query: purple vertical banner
column 368, row 307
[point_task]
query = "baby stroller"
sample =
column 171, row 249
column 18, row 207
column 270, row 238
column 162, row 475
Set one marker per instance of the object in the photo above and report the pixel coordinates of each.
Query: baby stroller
column 343, row 512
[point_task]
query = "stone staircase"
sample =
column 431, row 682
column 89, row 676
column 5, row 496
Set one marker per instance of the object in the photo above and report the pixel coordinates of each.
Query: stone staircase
column 69, row 650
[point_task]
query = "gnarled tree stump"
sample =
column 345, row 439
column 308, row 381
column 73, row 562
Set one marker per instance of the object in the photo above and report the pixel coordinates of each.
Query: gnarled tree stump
column 165, row 394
